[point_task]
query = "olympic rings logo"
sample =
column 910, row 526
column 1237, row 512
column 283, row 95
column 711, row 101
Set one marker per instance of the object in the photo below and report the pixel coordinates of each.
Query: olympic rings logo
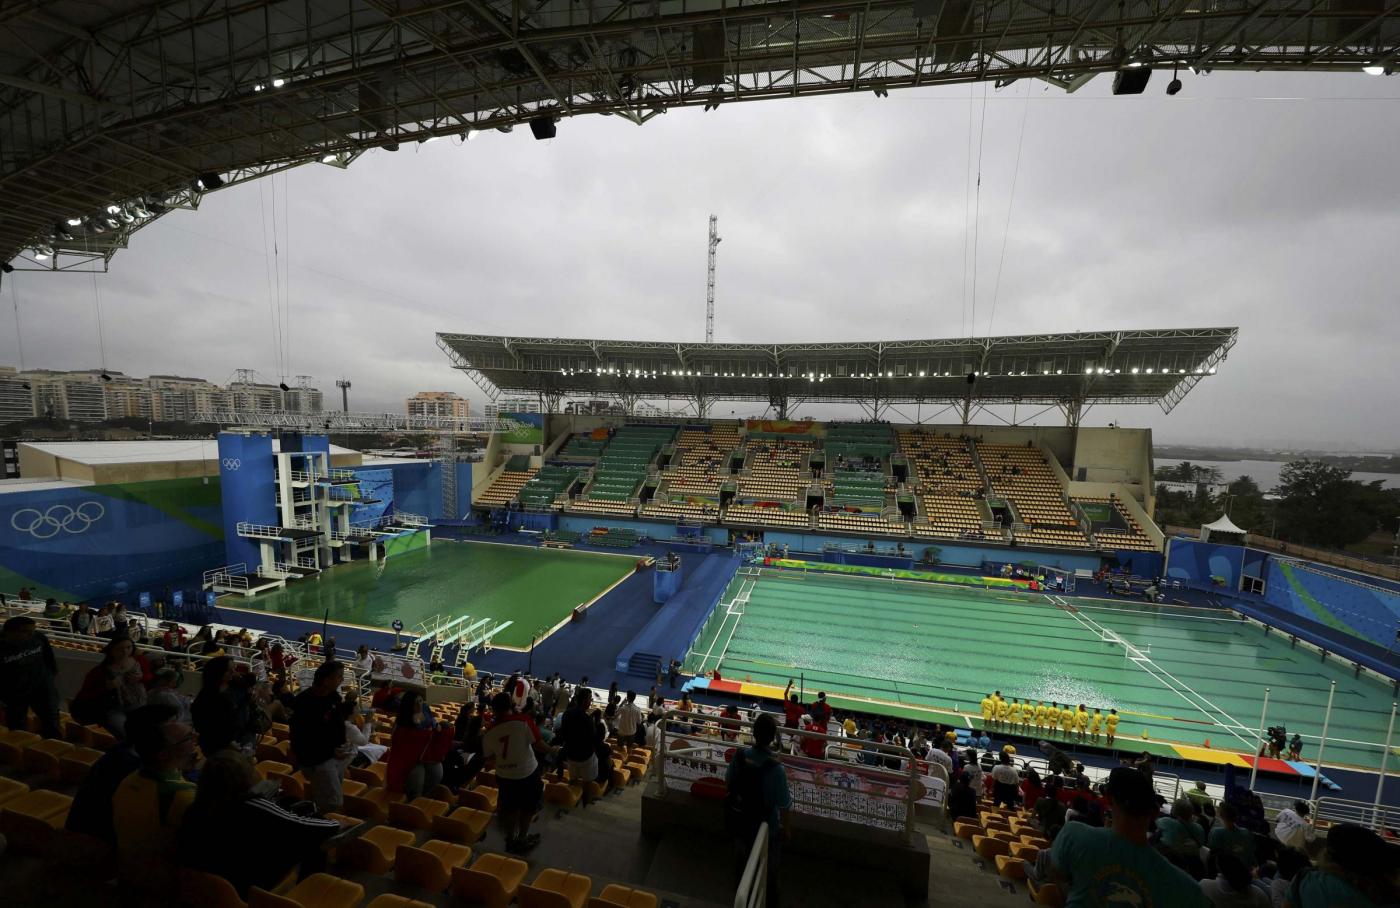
column 232, row 463
column 59, row 518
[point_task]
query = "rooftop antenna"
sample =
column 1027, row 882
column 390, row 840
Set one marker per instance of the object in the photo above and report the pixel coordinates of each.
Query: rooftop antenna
column 710, row 282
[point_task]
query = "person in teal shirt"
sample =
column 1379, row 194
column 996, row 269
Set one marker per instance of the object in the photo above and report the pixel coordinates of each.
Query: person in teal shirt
column 1179, row 835
column 1117, row 865
column 1356, row 871
column 1228, row 836
column 756, row 774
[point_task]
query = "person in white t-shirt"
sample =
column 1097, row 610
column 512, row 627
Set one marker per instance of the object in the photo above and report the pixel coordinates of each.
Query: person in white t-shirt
column 511, row 745
column 1292, row 828
column 629, row 721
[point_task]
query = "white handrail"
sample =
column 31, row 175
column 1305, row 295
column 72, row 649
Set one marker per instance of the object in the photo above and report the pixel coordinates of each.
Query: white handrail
column 753, row 885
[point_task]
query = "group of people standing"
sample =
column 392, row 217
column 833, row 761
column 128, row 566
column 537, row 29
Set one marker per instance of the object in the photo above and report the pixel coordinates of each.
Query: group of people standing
column 998, row 713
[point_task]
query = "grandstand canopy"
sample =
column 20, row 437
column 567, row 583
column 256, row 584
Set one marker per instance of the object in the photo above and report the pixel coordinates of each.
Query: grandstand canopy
column 115, row 112
column 1069, row 370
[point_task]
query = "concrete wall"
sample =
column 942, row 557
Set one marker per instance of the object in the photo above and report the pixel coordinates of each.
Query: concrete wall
column 1103, row 455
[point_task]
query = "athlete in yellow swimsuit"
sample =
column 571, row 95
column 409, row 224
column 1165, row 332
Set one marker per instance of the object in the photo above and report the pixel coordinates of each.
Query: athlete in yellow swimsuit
column 1095, row 724
column 1040, row 716
column 1111, row 723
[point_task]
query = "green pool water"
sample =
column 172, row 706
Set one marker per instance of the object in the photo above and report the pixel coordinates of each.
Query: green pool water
column 530, row 587
column 1200, row 674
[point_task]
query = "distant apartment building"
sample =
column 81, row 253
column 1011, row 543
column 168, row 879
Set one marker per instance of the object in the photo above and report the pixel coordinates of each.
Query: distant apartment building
column 512, row 405
column 16, row 396
column 438, row 405
column 303, row 400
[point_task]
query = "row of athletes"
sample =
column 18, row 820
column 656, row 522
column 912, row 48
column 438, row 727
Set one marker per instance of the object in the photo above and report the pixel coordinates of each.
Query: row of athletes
column 997, row 713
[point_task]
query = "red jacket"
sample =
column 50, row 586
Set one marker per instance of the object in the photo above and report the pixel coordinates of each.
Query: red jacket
column 410, row 746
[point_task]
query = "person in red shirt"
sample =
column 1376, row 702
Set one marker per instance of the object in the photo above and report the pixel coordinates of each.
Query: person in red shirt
column 812, row 747
column 416, row 750
column 512, row 746
column 821, row 712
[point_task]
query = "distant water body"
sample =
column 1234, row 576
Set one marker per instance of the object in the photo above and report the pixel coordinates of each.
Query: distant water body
column 1265, row 472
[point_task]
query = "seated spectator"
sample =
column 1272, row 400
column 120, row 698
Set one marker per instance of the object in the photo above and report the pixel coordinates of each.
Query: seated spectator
column 232, row 832
column 465, row 759
column 1288, row 863
column 962, row 799
column 416, row 750
column 1006, row 782
column 1032, row 789
column 1228, row 837
column 1357, row 869
column 1117, row 864
column 1233, row 885
column 1180, row 838
column 166, row 691
column 149, row 804
column 386, row 697
column 91, row 812
column 111, row 688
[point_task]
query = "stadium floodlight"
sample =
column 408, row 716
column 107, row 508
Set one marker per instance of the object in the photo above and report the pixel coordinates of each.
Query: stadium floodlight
column 278, row 83
column 114, row 209
column 1374, row 69
column 75, row 222
column 207, row 181
column 1135, row 370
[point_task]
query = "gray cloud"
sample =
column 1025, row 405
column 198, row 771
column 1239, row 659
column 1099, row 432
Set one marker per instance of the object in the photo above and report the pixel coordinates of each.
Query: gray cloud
column 1265, row 201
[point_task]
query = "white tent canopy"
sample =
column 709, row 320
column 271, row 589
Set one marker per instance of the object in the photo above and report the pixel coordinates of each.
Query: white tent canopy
column 1223, row 525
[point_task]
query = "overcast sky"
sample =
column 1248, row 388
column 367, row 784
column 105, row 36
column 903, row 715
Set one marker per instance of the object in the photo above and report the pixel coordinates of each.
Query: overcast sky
column 1270, row 202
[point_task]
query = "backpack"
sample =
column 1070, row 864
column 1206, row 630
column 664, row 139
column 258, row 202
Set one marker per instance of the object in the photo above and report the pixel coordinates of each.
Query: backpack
column 745, row 808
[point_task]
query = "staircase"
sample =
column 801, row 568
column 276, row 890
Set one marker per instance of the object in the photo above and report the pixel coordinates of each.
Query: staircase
column 644, row 665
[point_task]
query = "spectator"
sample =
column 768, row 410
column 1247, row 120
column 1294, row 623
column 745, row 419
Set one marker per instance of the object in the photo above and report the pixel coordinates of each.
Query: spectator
column 1117, row 862
column 1181, row 838
column 821, row 712
column 386, row 697
column 962, row 799
column 91, row 811
column 1288, row 863
column 603, row 753
column 629, row 722
column 942, row 754
column 27, row 672
column 1291, row 826
column 150, row 803
column 576, row 740
column 757, row 794
column 318, row 735
column 232, row 832
column 464, row 760
column 111, row 688
column 364, row 662
column 166, row 692
column 1233, row 885
column 1031, row 787
column 416, row 749
column 365, row 750
column 512, row 745
column 1006, row 781
column 1228, row 837
column 1357, row 870
column 222, row 710
column 84, row 621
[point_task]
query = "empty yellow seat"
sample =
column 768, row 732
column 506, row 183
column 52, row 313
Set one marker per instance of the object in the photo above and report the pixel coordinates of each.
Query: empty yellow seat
column 372, row 775
column 74, row 733
column 988, row 847
column 42, row 756
column 1011, row 866
column 100, row 738
column 320, row 890
column 616, row 896
column 207, row 890
column 620, row 776
column 76, row 763
column 272, row 750
column 556, row 889
column 372, row 804
column 389, row 900
column 417, row 814
column 478, row 799
column 375, row 850
column 13, row 743
column 265, row 767
column 966, row 829
column 30, row 820
column 1049, row 894
column 10, row 789
column 430, row 866
column 280, row 732
column 465, row 825
column 1025, row 852
column 561, row 794
column 492, row 881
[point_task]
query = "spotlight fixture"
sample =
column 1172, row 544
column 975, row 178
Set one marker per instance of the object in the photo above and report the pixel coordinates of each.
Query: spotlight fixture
column 283, row 386
column 75, row 222
column 106, row 377
column 544, row 127
column 390, row 145
column 62, row 232
column 6, row 268
column 1373, row 69
column 208, row 181
column 1133, row 80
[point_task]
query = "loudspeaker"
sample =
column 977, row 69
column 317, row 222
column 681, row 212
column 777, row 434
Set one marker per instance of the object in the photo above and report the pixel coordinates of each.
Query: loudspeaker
column 543, row 127
column 1131, row 81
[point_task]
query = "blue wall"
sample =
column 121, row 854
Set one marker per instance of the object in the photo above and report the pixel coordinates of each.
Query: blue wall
column 653, row 528
column 104, row 541
column 1196, row 562
column 418, row 488
column 949, row 552
column 249, row 491
column 1366, row 613
column 464, row 491
column 376, row 493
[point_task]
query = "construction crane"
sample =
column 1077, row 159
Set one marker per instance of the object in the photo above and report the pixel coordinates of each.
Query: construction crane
column 710, row 282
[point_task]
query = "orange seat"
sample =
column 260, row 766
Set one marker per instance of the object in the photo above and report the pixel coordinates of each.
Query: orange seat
column 966, row 829
column 1025, row 852
column 293, row 784
column 372, row 805
column 389, row 900
column 492, row 881
column 1049, row 894
column 74, row 733
column 320, row 890
column 372, row 775
column 620, row 776
column 10, row 789
column 30, row 820
column 556, row 889
column 207, row 890
column 418, row 814
column 272, row 750
column 430, row 866
column 374, row 851
column 75, row 764
column 465, row 825
column 269, row 766
column 280, row 732
column 616, row 896
column 478, row 799
column 1011, row 866
column 988, row 847
column 43, row 756
column 100, row 738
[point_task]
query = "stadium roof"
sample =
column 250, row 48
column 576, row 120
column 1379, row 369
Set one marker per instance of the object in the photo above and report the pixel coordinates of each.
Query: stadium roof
column 160, row 450
column 115, row 112
column 1069, row 370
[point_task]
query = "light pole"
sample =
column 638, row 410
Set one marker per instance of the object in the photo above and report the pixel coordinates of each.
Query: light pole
column 344, row 385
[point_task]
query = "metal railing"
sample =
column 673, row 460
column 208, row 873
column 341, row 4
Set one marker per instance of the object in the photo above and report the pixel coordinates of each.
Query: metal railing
column 1363, row 813
column 696, row 745
column 222, row 574
column 258, row 530
column 753, row 885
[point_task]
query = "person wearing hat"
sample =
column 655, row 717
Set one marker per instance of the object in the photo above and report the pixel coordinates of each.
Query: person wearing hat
column 1117, row 865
